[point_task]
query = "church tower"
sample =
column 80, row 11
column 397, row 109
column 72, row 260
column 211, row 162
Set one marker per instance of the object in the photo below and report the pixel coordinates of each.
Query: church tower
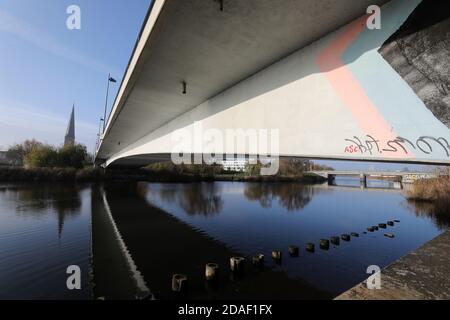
column 70, row 133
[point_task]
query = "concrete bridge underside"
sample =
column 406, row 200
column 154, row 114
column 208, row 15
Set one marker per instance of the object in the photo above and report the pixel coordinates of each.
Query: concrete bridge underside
column 306, row 68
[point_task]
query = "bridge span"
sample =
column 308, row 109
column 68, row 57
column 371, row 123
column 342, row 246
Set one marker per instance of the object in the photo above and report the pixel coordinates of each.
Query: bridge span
column 312, row 71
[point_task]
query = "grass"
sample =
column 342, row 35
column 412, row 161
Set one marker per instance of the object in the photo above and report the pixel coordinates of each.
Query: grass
column 431, row 198
column 436, row 189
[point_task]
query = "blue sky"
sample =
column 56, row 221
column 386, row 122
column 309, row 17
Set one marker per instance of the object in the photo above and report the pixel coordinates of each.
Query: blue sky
column 45, row 67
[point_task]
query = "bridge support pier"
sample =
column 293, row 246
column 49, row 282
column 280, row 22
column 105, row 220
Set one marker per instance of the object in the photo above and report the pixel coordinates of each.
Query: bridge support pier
column 331, row 178
column 363, row 181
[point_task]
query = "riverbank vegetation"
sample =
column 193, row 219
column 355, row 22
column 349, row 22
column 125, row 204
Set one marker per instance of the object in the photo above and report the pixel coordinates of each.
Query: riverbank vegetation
column 437, row 189
column 290, row 169
column 431, row 198
column 42, row 162
column 433, row 190
column 21, row 174
column 32, row 160
column 90, row 174
column 34, row 154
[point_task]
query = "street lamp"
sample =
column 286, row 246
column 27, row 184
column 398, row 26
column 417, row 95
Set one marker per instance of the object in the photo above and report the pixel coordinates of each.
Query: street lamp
column 97, row 143
column 110, row 79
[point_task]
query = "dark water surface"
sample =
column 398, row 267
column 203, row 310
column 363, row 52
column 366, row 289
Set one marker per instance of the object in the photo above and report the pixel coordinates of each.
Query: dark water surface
column 144, row 232
column 43, row 230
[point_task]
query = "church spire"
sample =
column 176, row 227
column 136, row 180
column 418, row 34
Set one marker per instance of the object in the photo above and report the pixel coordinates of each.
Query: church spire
column 70, row 133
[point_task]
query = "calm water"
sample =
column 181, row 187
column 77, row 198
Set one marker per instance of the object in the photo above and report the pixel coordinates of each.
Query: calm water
column 43, row 230
column 145, row 232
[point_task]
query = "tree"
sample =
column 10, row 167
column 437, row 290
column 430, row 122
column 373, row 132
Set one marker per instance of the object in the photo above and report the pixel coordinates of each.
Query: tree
column 41, row 156
column 292, row 166
column 74, row 156
column 253, row 169
column 35, row 154
column 18, row 152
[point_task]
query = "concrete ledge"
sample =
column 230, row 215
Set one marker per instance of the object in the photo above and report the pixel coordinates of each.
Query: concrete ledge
column 420, row 275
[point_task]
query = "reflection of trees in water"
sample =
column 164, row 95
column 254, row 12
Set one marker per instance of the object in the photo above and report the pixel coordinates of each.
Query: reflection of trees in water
column 205, row 199
column 292, row 196
column 261, row 192
column 200, row 198
column 168, row 195
column 39, row 200
column 437, row 211
column 195, row 198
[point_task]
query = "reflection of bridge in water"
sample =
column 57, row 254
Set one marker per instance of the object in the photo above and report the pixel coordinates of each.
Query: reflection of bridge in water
column 399, row 177
column 145, row 246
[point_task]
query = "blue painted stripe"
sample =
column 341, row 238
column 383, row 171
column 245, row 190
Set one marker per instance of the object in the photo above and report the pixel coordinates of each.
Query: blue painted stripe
column 394, row 98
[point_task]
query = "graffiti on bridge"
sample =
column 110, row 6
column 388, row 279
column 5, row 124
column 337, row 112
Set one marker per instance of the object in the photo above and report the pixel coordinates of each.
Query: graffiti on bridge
column 371, row 145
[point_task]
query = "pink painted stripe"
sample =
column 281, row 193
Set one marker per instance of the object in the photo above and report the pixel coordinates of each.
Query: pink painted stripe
column 350, row 91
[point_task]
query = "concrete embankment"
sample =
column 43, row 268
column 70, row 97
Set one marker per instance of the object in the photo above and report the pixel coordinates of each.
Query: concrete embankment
column 420, row 275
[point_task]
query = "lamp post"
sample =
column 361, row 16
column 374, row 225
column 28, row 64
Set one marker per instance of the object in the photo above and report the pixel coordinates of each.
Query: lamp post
column 97, row 143
column 110, row 79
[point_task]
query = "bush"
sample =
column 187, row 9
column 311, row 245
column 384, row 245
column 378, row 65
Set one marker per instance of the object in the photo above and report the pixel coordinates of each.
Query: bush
column 45, row 156
column 52, row 174
column 203, row 170
column 90, row 174
column 431, row 197
column 18, row 152
column 41, row 156
column 73, row 156
column 437, row 189
column 253, row 169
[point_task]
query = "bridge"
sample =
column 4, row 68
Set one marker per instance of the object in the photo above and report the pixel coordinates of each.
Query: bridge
column 402, row 177
column 313, row 73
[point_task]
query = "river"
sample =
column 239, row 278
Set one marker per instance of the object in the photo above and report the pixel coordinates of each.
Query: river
column 130, row 238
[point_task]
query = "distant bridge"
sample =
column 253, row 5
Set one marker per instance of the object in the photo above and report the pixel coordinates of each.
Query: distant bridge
column 403, row 177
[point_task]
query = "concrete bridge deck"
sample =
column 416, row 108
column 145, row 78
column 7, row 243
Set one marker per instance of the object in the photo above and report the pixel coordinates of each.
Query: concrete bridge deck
column 420, row 275
column 310, row 72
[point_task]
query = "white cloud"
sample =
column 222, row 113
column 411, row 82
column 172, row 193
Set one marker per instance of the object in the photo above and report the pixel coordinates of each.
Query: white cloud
column 39, row 38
